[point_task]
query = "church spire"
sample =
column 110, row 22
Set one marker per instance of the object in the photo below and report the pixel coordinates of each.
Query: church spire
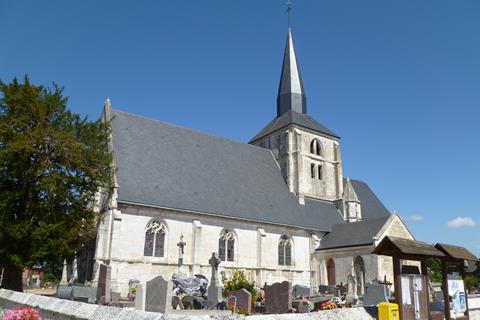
column 291, row 95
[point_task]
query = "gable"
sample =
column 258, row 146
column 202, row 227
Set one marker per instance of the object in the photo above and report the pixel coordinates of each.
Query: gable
column 395, row 228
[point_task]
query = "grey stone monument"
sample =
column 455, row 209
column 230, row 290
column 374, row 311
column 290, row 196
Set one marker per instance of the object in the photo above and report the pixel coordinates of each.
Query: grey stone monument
column 103, row 288
column 158, row 295
column 140, row 297
column 351, row 296
column 278, row 297
column 215, row 289
column 299, row 290
column 244, row 300
column 374, row 294
column 64, row 280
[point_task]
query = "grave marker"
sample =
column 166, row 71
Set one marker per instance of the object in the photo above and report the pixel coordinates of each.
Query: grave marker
column 278, row 297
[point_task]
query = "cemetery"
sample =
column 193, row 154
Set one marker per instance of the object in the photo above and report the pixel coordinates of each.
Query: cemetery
column 219, row 297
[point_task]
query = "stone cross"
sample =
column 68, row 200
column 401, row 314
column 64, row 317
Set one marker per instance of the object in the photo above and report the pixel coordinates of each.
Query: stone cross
column 181, row 245
column 214, row 262
column 214, row 291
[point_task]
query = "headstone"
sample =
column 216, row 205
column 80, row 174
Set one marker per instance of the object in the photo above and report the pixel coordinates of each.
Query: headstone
column 278, row 297
column 374, row 294
column 351, row 296
column 299, row 290
column 244, row 300
column 140, row 297
column 65, row 292
column 158, row 295
column 103, row 289
column 84, row 293
column 215, row 289
column 74, row 276
column 323, row 289
column 64, row 280
column 333, row 290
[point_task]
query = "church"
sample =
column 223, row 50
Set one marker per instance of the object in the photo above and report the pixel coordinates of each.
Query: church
column 278, row 207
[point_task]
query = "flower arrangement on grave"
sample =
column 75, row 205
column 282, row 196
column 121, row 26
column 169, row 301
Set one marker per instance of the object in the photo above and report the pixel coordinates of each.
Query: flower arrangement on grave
column 132, row 293
column 231, row 305
column 21, row 314
column 237, row 280
column 234, row 281
column 328, row 305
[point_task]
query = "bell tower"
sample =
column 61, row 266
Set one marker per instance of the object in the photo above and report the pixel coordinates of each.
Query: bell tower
column 307, row 152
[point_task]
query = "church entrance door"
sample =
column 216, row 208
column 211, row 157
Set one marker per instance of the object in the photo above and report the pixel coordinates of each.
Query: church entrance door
column 331, row 272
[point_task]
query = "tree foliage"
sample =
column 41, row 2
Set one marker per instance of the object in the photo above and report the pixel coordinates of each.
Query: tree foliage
column 435, row 267
column 52, row 164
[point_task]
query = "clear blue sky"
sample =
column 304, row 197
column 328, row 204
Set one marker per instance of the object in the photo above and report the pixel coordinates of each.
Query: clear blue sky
column 399, row 81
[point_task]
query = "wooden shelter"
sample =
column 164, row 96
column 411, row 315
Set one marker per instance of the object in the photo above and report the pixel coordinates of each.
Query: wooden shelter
column 453, row 263
column 411, row 291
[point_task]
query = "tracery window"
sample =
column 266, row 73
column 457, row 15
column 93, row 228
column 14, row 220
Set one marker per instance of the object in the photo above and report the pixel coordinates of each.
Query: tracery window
column 285, row 251
column 226, row 246
column 315, row 147
column 155, row 239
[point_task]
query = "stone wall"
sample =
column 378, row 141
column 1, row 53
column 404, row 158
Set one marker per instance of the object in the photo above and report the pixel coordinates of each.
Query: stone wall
column 256, row 247
column 57, row 309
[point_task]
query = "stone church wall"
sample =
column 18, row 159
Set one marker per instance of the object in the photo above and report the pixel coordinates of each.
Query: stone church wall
column 256, row 246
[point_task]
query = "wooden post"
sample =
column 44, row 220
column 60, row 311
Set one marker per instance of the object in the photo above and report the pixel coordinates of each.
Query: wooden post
column 397, row 280
column 462, row 274
column 424, row 267
column 446, row 299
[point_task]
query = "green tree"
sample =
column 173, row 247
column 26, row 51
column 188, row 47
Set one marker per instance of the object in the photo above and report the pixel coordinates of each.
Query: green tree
column 52, row 164
column 435, row 267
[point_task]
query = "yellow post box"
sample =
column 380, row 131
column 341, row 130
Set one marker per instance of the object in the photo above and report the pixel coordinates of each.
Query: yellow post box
column 388, row 311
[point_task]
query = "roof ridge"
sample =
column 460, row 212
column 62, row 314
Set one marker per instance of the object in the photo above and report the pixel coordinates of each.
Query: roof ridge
column 191, row 130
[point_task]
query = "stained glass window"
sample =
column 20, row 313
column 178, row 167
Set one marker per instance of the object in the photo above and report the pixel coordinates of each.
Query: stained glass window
column 155, row 238
column 285, row 251
column 226, row 246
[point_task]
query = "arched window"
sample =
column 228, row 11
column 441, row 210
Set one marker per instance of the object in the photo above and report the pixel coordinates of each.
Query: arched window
column 285, row 251
column 320, row 175
column 359, row 268
column 312, row 170
column 315, row 147
column 226, row 246
column 155, row 239
column 331, row 272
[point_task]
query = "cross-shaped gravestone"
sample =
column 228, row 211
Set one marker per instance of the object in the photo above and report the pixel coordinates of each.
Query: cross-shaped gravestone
column 215, row 289
column 181, row 245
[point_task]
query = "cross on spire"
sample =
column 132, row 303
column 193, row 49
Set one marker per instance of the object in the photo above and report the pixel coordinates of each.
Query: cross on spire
column 289, row 8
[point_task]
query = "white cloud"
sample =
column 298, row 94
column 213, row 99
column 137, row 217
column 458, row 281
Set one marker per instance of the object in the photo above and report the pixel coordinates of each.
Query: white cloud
column 461, row 222
column 416, row 217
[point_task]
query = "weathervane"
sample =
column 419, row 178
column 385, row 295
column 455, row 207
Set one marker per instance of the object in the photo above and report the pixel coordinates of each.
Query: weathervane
column 289, row 8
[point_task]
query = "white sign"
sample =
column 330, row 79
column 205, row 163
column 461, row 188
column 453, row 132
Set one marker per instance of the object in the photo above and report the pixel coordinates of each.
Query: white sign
column 456, row 290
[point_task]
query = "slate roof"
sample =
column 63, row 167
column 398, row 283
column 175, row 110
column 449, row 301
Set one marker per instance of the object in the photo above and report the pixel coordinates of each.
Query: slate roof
column 295, row 118
column 352, row 234
column 163, row 165
column 291, row 94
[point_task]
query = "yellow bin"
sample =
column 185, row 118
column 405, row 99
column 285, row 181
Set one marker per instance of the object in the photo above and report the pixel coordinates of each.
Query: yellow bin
column 388, row 311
